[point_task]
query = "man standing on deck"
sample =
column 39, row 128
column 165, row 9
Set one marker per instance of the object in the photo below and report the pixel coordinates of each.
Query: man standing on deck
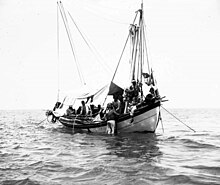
column 84, row 110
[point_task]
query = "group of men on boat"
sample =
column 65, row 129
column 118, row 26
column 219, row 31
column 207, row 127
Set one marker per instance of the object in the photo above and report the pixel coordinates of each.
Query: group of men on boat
column 124, row 102
column 84, row 109
column 128, row 102
column 121, row 102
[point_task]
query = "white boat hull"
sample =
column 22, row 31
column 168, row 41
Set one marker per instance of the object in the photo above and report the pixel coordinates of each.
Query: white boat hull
column 145, row 122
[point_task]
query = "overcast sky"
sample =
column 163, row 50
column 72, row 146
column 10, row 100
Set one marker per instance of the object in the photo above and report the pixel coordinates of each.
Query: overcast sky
column 183, row 41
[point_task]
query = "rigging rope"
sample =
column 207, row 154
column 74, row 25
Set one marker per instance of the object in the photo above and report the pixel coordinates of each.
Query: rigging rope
column 145, row 44
column 105, row 18
column 70, row 40
column 123, row 50
column 120, row 57
column 87, row 43
column 178, row 119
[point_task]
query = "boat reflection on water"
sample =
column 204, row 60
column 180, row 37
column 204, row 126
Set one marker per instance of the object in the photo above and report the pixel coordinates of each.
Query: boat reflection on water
column 120, row 159
column 143, row 147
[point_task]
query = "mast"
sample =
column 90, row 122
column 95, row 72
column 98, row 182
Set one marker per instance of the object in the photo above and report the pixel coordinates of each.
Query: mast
column 141, row 45
column 134, row 59
column 58, row 57
column 136, row 34
column 137, row 51
column 120, row 58
column 123, row 50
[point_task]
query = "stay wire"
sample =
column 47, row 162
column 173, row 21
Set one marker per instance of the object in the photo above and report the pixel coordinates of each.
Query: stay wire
column 123, row 50
column 70, row 40
column 178, row 119
column 87, row 43
column 104, row 17
column 72, row 46
column 120, row 58
column 41, row 121
column 145, row 45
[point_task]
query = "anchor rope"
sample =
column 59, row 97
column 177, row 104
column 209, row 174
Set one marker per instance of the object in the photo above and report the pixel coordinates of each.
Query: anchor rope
column 178, row 119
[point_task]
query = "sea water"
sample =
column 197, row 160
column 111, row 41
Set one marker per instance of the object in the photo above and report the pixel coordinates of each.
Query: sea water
column 32, row 152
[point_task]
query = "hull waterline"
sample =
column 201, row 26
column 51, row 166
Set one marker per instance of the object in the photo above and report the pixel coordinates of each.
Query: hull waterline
column 144, row 120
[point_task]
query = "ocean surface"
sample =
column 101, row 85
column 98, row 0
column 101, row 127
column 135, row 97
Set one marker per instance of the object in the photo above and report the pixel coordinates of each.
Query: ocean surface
column 34, row 153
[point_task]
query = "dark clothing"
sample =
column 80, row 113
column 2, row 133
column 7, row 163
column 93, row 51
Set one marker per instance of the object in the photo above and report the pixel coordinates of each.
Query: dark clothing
column 57, row 105
column 70, row 110
column 136, row 91
column 149, row 99
column 129, row 94
column 78, row 110
column 111, row 115
column 83, row 110
column 116, row 105
column 122, row 107
column 132, row 92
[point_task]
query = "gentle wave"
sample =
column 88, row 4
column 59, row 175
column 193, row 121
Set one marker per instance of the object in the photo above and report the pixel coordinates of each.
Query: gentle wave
column 33, row 153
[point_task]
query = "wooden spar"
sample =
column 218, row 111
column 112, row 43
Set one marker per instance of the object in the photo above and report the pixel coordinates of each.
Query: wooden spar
column 139, row 66
column 135, row 52
column 141, row 49
column 134, row 39
column 58, row 56
column 141, row 46
column 138, row 49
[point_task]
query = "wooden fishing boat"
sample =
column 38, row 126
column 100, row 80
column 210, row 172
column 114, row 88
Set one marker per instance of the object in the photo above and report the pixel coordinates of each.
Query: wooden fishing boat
column 146, row 99
column 145, row 118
